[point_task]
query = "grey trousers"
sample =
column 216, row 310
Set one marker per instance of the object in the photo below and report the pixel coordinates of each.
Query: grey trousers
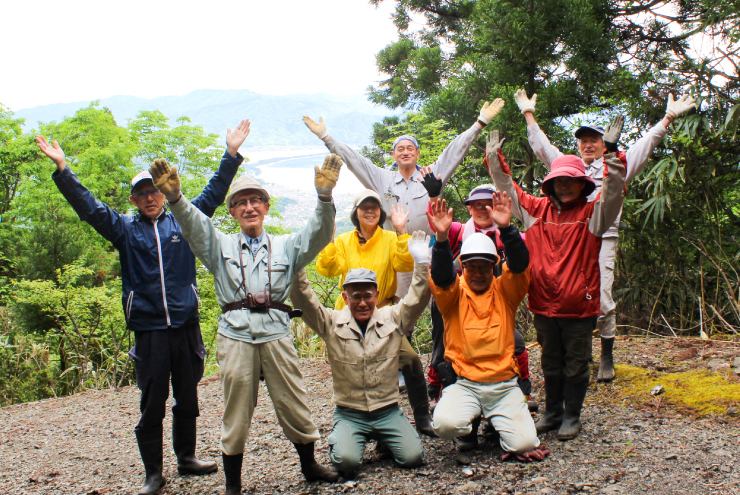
column 566, row 346
column 607, row 322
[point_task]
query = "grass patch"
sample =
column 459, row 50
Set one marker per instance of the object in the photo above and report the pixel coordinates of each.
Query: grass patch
column 701, row 391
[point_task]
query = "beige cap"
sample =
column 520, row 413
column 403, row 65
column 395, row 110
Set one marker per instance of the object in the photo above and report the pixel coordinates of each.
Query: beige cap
column 244, row 183
column 359, row 198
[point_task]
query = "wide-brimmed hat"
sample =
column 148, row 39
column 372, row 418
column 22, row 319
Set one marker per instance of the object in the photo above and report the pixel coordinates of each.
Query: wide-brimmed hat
column 568, row 166
column 359, row 198
column 484, row 191
column 244, row 183
column 589, row 128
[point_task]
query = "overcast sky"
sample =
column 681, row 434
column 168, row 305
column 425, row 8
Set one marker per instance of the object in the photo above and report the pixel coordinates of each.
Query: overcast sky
column 56, row 52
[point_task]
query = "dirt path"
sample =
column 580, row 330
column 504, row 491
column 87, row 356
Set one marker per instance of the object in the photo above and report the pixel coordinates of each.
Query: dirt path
column 84, row 444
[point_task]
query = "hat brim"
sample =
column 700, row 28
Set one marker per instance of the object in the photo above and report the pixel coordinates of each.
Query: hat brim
column 230, row 196
column 356, row 221
column 141, row 181
column 478, row 196
column 584, row 129
column 492, row 258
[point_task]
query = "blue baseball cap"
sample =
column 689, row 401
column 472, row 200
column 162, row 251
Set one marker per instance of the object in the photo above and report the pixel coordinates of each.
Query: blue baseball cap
column 405, row 138
column 589, row 128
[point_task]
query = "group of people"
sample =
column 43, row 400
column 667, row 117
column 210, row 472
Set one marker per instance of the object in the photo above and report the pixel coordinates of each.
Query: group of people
column 404, row 255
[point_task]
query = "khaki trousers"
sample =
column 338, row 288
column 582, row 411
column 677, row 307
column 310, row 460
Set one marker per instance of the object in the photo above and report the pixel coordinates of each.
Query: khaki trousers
column 240, row 364
column 607, row 322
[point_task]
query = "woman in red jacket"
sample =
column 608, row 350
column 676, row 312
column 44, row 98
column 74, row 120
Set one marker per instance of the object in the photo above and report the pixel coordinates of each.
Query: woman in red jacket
column 564, row 237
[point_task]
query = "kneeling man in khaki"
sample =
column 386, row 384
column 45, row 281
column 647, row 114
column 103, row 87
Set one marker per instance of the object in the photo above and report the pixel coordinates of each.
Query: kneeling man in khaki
column 252, row 272
column 363, row 343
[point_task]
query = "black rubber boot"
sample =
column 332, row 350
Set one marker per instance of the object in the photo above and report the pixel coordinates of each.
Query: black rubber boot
column 574, row 394
column 150, row 448
column 183, row 442
column 553, row 416
column 606, row 365
column 469, row 441
column 416, row 388
column 312, row 470
column 233, row 473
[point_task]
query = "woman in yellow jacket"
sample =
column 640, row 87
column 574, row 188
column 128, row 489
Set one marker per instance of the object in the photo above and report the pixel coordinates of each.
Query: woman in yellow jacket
column 386, row 253
column 369, row 246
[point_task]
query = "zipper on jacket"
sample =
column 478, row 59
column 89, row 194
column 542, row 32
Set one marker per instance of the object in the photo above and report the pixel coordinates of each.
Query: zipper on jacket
column 161, row 272
column 128, row 305
column 196, row 296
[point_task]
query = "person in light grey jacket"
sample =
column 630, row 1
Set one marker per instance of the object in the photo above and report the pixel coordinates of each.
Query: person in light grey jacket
column 402, row 185
column 592, row 147
column 252, row 272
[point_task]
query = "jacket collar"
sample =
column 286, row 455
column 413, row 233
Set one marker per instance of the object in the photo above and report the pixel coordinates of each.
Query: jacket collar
column 568, row 206
column 398, row 178
column 345, row 318
column 141, row 217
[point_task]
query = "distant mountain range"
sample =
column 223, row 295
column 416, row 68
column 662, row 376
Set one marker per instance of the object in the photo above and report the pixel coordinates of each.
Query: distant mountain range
column 276, row 120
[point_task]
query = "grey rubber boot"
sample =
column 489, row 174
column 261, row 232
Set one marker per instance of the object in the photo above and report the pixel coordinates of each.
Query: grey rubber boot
column 183, row 442
column 416, row 388
column 233, row 473
column 606, row 365
column 150, row 448
column 574, row 394
column 312, row 470
column 553, row 416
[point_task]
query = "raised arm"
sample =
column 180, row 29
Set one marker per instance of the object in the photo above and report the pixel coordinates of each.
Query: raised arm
column 541, row 145
column 501, row 176
column 453, row 154
column 215, row 191
column 367, row 173
column 638, row 153
column 318, row 232
column 106, row 221
column 331, row 262
column 412, row 305
column 440, row 218
column 317, row 317
column 609, row 203
column 197, row 227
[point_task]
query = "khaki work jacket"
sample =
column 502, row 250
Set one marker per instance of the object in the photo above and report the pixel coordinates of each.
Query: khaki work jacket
column 364, row 369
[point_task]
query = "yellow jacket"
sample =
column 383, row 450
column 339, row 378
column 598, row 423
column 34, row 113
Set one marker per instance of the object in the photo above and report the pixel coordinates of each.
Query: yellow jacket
column 385, row 253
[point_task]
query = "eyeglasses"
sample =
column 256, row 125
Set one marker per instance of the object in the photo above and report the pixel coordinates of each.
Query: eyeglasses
column 255, row 202
column 143, row 193
column 367, row 297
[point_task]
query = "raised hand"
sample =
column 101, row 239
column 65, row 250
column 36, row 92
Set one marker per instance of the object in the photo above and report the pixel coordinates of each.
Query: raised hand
column 489, row 111
column 398, row 218
column 432, row 184
column 327, row 176
column 165, row 179
column 318, row 128
column 419, row 248
column 611, row 136
column 54, row 152
column 440, row 218
column 501, row 211
column 678, row 107
column 493, row 142
column 235, row 138
column 525, row 104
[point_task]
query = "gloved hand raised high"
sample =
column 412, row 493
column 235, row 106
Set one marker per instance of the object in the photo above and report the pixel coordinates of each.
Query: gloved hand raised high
column 678, row 107
column 318, row 128
column 419, row 248
column 327, row 176
column 525, row 104
column 611, row 136
column 432, row 184
column 165, row 179
column 489, row 111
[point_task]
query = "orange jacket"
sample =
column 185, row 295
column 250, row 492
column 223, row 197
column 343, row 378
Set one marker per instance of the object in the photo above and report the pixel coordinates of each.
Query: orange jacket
column 479, row 328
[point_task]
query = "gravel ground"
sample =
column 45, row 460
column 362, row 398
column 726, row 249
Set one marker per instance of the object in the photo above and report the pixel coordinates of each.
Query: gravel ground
column 84, row 444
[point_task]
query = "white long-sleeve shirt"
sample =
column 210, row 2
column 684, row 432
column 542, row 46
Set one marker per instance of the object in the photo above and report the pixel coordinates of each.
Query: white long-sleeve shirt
column 637, row 158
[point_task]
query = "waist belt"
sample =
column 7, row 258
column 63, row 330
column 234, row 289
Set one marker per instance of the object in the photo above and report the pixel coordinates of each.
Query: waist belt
column 251, row 305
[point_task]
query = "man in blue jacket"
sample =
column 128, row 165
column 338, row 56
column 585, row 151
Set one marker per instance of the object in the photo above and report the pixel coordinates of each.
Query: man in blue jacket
column 160, row 300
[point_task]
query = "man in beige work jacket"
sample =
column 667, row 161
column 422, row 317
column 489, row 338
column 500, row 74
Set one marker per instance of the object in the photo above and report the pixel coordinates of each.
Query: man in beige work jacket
column 252, row 273
column 362, row 343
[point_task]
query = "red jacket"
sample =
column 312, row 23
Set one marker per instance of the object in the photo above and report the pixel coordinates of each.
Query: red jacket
column 564, row 241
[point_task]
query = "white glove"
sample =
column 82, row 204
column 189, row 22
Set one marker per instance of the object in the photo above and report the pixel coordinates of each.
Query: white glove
column 318, row 128
column 677, row 107
column 525, row 104
column 419, row 248
column 489, row 111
